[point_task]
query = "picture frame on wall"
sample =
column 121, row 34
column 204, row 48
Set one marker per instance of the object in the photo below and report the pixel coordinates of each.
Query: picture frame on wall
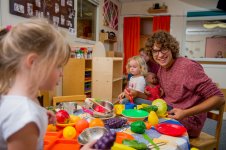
column 61, row 13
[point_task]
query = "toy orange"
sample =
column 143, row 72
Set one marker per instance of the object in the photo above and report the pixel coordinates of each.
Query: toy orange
column 69, row 132
column 96, row 122
column 74, row 119
column 51, row 128
column 81, row 125
column 120, row 136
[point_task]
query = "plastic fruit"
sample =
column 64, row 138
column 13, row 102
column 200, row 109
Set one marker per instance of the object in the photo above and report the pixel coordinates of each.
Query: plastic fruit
column 74, row 119
column 62, row 117
column 162, row 107
column 99, row 109
column 81, row 125
column 69, row 132
column 96, row 122
column 51, row 128
column 153, row 118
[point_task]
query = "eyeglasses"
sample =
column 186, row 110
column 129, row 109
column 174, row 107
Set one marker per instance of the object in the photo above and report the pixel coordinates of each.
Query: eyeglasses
column 156, row 52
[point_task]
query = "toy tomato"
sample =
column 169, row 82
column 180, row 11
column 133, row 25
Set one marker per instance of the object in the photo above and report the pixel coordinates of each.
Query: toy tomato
column 62, row 117
column 99, row 109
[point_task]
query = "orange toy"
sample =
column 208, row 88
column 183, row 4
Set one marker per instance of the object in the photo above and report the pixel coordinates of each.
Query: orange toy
column 148, row 125
column 120, row 136
column 56, row 141
column 81, row 125
column 51, row 128
column 96, row 122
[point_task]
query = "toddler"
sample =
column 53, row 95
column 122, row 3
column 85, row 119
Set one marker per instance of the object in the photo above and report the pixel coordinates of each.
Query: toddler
column 138, row 68
column 153, row 89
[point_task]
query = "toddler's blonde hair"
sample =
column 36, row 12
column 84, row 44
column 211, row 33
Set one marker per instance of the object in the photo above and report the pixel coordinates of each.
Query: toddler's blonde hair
column 35, row 36
column 141, row 62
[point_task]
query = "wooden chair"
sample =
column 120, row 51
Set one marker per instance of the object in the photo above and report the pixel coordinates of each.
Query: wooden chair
column 206, row 141
column 72, row 98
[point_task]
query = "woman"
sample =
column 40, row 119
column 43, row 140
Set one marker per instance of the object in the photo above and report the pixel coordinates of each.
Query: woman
column 187, row 88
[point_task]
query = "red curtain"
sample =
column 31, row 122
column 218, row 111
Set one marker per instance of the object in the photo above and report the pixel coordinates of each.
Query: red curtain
column 161, row 23
column 131, row 38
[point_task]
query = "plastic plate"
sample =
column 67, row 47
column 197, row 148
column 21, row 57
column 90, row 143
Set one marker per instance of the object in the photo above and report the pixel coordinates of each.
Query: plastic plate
column 134, row 113
column 170, row 129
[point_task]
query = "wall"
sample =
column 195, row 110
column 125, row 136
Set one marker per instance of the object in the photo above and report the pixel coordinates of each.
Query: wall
column 176, row 8
column 6, row 18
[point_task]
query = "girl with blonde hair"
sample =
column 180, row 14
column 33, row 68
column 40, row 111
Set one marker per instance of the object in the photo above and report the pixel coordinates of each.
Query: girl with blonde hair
column 31, row 58
column 137, row 67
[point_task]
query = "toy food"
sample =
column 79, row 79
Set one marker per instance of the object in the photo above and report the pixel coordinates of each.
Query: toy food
column 115, row 123
column 153, row 118
column 120, row 136
column 106, row 141
column 96, row 122
column 62, row 117
column 99, row 109
column 135, row 144
column 69, row 132
column 74, row 119
column 81, row 125
column 162, row 107
column 138, row 127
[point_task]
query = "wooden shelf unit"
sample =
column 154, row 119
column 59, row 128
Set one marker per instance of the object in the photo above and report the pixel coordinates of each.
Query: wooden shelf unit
column 107, row 78
column 77, row 78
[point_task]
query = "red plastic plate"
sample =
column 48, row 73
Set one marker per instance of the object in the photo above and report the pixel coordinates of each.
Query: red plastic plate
column 170, row 129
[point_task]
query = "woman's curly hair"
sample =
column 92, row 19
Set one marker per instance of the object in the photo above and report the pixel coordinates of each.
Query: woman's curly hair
column 165, row 40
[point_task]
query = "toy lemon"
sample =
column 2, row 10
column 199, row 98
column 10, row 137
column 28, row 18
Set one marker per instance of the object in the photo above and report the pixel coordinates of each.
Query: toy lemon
column 69, row 132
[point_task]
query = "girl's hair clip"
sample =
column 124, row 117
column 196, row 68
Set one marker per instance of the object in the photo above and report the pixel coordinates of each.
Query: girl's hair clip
column 8, row 27
column 5, row 30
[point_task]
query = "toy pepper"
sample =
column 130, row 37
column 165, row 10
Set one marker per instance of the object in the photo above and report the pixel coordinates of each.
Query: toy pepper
column 135, row 144
column 138, row 127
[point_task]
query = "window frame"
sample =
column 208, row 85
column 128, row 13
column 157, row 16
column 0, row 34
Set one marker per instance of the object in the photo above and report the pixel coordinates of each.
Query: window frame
column 94, row 2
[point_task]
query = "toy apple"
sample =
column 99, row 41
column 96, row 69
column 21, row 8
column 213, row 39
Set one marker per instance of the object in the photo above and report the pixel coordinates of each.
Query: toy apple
column 62, row 117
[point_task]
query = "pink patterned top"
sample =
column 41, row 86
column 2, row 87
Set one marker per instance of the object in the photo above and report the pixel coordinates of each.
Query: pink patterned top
column 185, row 85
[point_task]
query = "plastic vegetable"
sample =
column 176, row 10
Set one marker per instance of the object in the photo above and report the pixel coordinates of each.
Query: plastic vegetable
column 118, row 146
column 62, row 117
column 135, row 144
column 115, row 122
column 120, row 136
column 162, row 107
column 150, row 108
column 153, row 118
column 138, row 127
column 106, row 141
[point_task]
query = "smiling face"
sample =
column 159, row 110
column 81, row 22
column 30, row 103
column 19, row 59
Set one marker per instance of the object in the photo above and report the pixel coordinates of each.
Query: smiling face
column 162, row 56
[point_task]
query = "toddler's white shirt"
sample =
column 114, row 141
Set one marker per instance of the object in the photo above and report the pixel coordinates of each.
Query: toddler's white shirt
column 137, row 83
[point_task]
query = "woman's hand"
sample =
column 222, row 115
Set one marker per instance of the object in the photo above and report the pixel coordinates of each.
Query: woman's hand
column 176, row 114
column 88, row 146
column 51, row 117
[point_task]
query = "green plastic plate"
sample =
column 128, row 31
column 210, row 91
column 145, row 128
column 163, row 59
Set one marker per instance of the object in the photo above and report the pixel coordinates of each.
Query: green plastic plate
column 134, row 113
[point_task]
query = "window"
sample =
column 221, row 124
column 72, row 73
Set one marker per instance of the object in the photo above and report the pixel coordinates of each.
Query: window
column 87, row 19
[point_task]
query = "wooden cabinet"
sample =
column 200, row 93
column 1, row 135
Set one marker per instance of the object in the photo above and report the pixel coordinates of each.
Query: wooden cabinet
column 107, row 78
column 77, row 78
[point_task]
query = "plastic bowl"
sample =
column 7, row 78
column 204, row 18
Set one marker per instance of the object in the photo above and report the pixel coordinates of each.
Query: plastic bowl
column 134, row 114
column 90, row 134
column 107, row 105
